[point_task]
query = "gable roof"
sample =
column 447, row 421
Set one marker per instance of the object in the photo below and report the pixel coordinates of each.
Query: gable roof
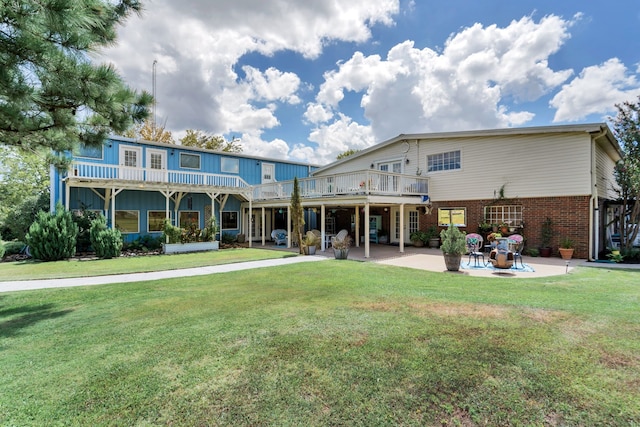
column 591, row 128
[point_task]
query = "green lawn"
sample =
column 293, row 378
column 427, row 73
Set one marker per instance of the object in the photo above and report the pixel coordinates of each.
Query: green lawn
column 30, row 269
column 329, row 343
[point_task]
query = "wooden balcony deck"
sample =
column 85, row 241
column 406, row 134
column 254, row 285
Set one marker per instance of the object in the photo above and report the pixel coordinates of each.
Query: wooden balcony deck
column 346, row 184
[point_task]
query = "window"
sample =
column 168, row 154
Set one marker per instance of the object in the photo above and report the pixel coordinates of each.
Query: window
column 455, row 216
column 128, row 221
column 155, row 220
column 229, row 165
column 229, row 220
column 188, row 218
column 443, row 161
column 508, row 214
column 90, row 152
column 189, row 161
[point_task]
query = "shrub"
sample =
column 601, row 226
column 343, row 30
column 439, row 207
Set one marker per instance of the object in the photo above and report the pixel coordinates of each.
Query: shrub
column 144, row 243
column 13, row 248
column 172, row 232
column 1, row 249
column 106, row 242
column 18, row 219
column 84, row 221
column 228, row 238
column 53, row 237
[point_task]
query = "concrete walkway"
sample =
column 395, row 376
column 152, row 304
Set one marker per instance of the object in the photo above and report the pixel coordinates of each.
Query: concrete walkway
column 25, row 285
column 418, row 258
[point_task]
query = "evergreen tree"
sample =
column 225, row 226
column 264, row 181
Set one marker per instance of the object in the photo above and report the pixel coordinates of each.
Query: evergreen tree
column 626, row 127
column 53, row 237
column 51, row 94
column 297, row 214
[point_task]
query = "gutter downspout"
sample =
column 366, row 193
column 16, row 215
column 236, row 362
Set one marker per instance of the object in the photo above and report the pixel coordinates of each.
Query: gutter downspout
column 594, row 208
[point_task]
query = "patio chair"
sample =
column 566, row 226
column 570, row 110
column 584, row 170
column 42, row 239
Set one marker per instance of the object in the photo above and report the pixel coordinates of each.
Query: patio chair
column 279, row 237
column 474, row 247
column 516, row 244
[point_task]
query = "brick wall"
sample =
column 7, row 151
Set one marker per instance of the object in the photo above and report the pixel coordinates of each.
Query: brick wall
column 570, row 216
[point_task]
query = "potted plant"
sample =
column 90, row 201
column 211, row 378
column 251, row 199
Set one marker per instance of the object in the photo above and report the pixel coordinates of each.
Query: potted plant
column 454, row 245
column 503, row 227
column 418, row 238
column 433, row 239
column 546, row 234
column 383, row 236
column 566, row 248
column 310, row 242
column 341, row 246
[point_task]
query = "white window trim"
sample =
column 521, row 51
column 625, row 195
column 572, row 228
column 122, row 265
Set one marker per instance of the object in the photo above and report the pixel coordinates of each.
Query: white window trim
column 188, row 210
column 237, row 220
column 190, row 154
column 426, row 161
column 164, row 215
column 79, row 156
column 128, row 210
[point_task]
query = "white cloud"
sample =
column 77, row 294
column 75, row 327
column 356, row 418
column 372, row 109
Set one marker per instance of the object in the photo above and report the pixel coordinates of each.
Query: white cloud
column 335, row 138
column 462, row 87
column 197, row 45
column 595, row 91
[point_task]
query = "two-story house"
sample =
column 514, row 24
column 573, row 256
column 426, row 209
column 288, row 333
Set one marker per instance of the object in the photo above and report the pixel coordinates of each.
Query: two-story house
column 515, row 176
column 138, row 184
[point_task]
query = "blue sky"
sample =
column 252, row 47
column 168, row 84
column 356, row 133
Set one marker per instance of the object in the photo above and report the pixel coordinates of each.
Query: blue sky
column 308, row 80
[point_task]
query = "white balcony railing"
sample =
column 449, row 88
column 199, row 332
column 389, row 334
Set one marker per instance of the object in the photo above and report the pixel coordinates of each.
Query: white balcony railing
column 361, row 182
column 98, row 171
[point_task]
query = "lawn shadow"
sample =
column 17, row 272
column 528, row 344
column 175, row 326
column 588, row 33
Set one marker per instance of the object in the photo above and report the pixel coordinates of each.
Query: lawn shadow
column 19, row 318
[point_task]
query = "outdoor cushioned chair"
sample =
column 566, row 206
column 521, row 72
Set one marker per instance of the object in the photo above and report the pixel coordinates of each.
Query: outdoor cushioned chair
column 474, row 246
column 516, row 244
column 279, row 237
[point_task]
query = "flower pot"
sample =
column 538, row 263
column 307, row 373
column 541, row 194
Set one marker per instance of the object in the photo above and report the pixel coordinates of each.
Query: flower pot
column 434, row 242
column 452, row 261
column 545, row 252
column 566, row 253
column 341, row 253
column 310, row 250
column 418, row 243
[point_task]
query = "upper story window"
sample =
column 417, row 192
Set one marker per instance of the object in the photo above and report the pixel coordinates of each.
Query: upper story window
column 443, row 161
column 229, row 165
column 90, row 152
column 189, row 161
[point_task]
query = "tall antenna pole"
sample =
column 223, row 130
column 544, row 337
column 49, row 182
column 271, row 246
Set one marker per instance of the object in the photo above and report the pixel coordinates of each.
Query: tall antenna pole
column 153, row 88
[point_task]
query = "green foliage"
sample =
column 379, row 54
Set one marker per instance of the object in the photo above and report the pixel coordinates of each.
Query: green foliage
column 18, row 218
column 534, row 252
column 144, row 243
column 2, row 250
column 453, row 241
column 53, row 237
column 52, row 94
column 347, row 153
column 626, row 127
column 14, row 247
column 106, row 242
column 228, row 238
column 419, row 235
column 567, row 243
column 84, row 221
column 198, row 138
column 171, row 233
column 208, row 233
column 297, row 214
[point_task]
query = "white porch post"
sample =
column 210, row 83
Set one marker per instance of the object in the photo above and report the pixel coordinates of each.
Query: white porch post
column 322, row 228
column 357, row 215
column 401, row 228
column 249, row 223
column 263, row 218
column 67, row 195
column 288, row 227
column 167, row 215
column 113, row 208
column 366, row 230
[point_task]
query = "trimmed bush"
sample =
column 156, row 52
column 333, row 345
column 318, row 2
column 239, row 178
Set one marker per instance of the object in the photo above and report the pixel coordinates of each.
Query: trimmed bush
column 13, row 248
column 106, row 242
column 53, row 237
column 1, row 249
